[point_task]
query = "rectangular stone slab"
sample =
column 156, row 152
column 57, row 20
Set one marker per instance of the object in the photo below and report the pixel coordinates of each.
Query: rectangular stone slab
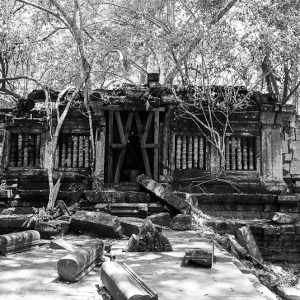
column 170, row 198
column 201, row 254
column 124, row 284
column 246, row 239
column 102, row 224
column 18, row 241
column 17, row 222
column 105, row 196
column 76, row 265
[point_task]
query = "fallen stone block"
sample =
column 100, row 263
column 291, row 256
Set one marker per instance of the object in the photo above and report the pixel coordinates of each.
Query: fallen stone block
column 288, row 292
column 123, row 209
column 75, row 266
column 18, row 241
column 203, row 256
column 137, row 197
column 181, row 222
column 105, row 196
column 281, row 218
column 11, row 223
column 162, row 219
column 247, row 240
column 19, row 210
column 62, row 244
column 52, row 228
column 102, row 224
column 166, row 196
column 124, row 284
column 149, row 239
column 132, row 225
column 229, row 242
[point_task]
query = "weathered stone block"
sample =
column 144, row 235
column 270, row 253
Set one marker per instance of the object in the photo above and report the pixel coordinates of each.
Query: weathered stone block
column 124, row 284
column 162, row 219
column 74, row 266
column 288, row 292
column 52, row 228
column 105, row 196
column 13, row 222
column 148, row 239
column 102, row 224
column 164, row 194
column 202, row 257
column 287, row 156
column 294, row 145
column 137, row 197
column 281, row 218
column 132, row 225
column 62, row 244
column 181, row 222
column 247, row 240
column 285, row 147
column 18, row 241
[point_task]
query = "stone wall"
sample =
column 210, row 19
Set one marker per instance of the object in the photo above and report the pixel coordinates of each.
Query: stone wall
column 245, row 206
column 291, row 153
column 279, row 244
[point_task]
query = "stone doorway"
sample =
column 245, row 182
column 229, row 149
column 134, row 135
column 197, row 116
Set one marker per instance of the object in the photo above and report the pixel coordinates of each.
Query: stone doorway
column 132, row 143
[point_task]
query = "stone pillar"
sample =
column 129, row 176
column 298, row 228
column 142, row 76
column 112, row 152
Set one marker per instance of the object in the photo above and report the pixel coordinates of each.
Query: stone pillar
column 100, row 148
column 271, row 152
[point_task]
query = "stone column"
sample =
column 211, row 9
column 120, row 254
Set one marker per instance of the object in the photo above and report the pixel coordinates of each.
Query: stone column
column 271, row 152
column 100, row 148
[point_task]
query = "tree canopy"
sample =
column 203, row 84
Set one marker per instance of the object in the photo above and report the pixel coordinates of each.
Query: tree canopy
column 235, row 42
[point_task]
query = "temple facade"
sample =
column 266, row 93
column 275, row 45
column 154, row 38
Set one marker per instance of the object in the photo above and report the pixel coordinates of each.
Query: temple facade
column 134, row 136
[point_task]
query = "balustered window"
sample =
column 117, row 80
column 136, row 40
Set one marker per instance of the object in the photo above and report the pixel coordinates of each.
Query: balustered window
column 190, row 152
column 25, row 150
column 240, row 153
column 74, row 151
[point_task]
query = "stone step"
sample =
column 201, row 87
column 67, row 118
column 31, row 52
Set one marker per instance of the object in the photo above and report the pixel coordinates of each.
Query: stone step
column 124, row 186
column 141, row 210
column 117, row 196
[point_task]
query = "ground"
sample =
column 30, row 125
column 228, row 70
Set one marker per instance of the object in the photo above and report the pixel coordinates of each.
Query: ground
column 33, row 274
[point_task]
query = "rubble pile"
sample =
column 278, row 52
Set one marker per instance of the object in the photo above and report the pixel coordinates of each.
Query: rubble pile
column 148, row 239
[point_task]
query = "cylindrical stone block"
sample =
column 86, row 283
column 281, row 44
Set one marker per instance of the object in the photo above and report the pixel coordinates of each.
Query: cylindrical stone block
column 74, row 266
column 18, row 240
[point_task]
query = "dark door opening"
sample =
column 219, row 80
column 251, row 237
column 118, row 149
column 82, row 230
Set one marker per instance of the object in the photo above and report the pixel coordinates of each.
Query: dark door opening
column 132, row 144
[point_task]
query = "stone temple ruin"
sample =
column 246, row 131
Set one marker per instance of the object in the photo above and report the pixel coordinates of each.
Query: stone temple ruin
column 145, row 150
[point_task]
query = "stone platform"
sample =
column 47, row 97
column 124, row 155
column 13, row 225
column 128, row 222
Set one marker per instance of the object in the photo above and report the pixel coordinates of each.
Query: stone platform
column 33, row 274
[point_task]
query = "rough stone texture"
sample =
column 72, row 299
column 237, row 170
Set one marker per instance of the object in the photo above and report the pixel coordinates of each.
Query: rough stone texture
column 246, row 206
column 124, row 284
column 149, row 239
column 162, row 219
column 18, row 210
column 137, row 197
column 105, row 196
column 181, row 222
column 288, row 292
column 170, row 198
column 62, row 244
column 52, row 228
column 247, row 240
column 281, row 218
column 201, row 257
column 74, row 266
column 9, row 223
column 18, row 241
column 229, row 242
column 102, row 224
column 132, row 225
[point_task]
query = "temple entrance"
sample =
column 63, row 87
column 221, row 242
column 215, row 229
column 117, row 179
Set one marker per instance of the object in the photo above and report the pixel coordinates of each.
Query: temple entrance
column 132, row 144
